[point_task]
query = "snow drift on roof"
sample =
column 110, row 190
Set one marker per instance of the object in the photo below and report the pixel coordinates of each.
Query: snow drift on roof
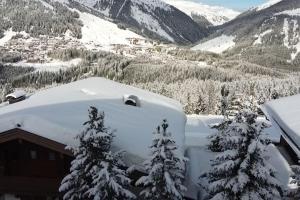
column 58, row 114
column 16, row 94
column 286, row 113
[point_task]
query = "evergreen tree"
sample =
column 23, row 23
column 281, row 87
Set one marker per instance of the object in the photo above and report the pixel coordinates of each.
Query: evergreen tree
column 295, row 192
column 241, row 171
column 224, row 101
column 215, row 144
column 7, row 89
column 96, row 173
column 234, row 104
column 165, row 168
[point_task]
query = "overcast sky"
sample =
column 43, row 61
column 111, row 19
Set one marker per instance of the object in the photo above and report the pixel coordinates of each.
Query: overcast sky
column 234, row 4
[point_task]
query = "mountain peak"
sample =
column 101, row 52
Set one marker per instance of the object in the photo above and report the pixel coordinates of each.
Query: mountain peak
column 216, row 15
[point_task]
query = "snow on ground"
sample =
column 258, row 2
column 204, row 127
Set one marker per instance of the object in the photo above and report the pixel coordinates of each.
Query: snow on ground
column 214, row 14
column 198, row 128
column 216, row 45
column 52, row 66
column 58, row 114
column 294, row 12
column 47, row 5
column 286, row 113
column 197, row 131
column 260, row 36
column 152, row 4
column 147, row 20
column 268, row 4
column 97, row 31
column 7, row 36
column 291, row 41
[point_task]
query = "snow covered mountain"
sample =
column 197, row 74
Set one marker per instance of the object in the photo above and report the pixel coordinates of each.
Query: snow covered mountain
column 103, row 22
column 150, row 18
column 215, row 15
column 269, row 31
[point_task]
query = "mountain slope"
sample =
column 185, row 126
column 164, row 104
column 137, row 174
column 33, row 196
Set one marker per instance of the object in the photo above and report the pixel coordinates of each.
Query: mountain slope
column 108, row 21
column 151, row 18
column 267, row 35
column 215, row 15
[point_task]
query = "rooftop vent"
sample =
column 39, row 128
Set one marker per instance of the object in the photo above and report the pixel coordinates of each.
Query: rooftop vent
column 15, row 97
column 132, row 100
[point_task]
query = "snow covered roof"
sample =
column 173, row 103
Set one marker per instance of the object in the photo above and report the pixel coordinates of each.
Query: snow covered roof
column 16, row 94
column 285, row 114
column 197, row 132
column 58, row 114
column 198, row 129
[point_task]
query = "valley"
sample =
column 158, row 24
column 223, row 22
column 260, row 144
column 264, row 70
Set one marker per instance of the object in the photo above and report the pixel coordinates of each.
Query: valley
column 193, row 75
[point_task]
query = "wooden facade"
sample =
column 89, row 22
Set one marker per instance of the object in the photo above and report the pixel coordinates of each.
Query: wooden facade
column 31, row 167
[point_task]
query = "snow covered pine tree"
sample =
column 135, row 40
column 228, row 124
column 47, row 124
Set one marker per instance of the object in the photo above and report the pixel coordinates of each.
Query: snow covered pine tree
column 215, row 144
column 96, row 172
column 165, row 168
column 241, row 171
column 295, row 192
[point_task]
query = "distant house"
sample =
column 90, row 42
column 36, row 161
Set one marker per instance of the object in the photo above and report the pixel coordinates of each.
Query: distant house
column 16, row 96
column 35, row 132
column 284, row 113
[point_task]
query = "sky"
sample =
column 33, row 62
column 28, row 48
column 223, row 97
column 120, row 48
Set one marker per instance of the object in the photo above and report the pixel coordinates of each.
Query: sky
column 240, row 5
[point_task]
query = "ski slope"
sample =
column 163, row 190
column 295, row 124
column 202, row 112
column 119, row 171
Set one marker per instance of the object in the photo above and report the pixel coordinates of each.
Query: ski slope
column 97, row 31
column 216, row 45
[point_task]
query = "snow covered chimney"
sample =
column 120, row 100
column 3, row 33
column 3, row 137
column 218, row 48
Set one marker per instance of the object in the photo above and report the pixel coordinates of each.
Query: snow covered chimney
column 132, row 100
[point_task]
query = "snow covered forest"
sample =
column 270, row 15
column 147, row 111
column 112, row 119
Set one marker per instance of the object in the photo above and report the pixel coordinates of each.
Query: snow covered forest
column 193, row 78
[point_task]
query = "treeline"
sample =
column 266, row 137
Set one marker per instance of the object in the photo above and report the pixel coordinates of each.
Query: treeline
column 37, row 19
column 198, row 88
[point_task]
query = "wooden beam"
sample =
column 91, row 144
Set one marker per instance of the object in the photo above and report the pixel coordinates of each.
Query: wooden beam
column 19, row 134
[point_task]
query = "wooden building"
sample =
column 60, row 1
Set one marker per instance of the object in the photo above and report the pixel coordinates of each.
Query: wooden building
column 284, row 113
column 31, row 167
column 35, row 131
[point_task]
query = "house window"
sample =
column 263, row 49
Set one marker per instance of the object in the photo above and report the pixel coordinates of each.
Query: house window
column 33, row 155
column 51, row 156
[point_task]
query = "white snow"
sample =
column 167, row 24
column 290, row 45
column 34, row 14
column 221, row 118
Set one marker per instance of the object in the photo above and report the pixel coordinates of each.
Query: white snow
column 97, row 31
column 217, row 45
column 214, row 14
column 47, row 5
column 7, row 36
column 260, row 36
column 294, row 12
column 147, row 20
column 268, row 4
column 197, row 132
column 285, row 115
column 16, row 94
column 152, row 4
column 198, row 129
column 291, row 41
column 52, row 66
column 58, row 114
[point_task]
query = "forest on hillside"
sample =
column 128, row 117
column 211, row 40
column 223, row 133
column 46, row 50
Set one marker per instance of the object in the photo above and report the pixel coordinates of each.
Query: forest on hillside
column 180, row 76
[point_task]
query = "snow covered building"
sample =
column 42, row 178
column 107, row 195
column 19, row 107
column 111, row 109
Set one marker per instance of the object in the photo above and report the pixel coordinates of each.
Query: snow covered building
column 35, row 132
column 198, row 128
column 284, row 113
column 16, row 96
